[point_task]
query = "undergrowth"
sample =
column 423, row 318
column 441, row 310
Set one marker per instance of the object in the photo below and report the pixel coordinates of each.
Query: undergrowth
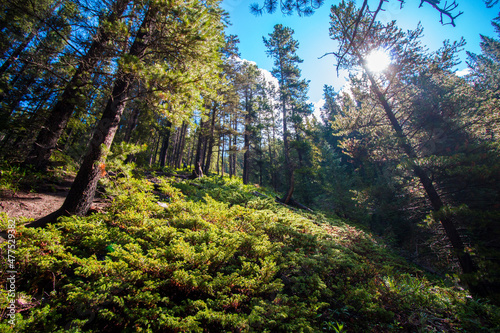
column 211, row 256
column 14, row 177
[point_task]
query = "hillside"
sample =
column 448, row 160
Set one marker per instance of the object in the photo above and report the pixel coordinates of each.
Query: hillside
column 208, row 255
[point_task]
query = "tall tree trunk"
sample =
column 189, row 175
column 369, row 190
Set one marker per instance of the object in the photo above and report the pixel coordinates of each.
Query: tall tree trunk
column 261, row 162
column 222, row 157
column 191, row 150
column 182, row 143
column 72, row 96
column 218, row 157
column 230, row 158
column 246, row 155
column 154, row 150
column 273, row 153
column 234, row 147
column 204, row 149
column 164, row 144
column 175, row 144
column 199, row 146
column 211, row 140
column 288, row 162
column 132, row 124
column 271, row 160
column 286, row 146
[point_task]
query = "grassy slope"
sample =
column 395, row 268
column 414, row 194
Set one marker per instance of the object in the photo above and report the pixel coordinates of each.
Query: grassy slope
column 213, row 258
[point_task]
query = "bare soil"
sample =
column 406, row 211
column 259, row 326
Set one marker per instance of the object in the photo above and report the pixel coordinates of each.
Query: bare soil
column 36, row 204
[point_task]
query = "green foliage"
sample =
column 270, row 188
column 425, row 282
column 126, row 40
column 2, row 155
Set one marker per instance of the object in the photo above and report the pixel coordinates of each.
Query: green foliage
column 14, row 177
column 213, row 257
column 120, row 173
column 10, row 177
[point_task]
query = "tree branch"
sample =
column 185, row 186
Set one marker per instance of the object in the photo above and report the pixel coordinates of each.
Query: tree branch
column 446, row 10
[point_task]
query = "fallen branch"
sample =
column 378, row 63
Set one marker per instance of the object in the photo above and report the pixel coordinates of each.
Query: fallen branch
column 278, row 200
column 299, row 205
column 258, row 194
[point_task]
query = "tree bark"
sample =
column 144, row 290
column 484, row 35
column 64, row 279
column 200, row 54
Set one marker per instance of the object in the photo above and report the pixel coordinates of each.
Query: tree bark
column 175, row 147
column 132, row 124
column 248, row 119
column 182, row 143
column 154, row 151
column 222, row 157
column 199, row 146
column 211, row 140
column 82, row 191
column 164, row 144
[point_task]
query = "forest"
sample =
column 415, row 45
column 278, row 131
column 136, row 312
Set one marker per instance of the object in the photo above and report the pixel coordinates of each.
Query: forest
column 197, row 195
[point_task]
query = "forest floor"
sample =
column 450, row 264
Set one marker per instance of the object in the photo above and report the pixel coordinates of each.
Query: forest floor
column 250, row 263
column 40, row 201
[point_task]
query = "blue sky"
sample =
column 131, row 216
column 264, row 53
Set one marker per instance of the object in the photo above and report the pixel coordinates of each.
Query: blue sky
column 312, row 34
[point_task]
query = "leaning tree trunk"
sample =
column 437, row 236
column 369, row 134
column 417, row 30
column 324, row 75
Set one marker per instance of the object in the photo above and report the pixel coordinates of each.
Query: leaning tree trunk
column 82, row 191
column 464, row 258
column 72, row 96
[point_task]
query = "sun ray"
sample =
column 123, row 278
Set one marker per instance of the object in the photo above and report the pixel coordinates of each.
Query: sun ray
column 377, row 60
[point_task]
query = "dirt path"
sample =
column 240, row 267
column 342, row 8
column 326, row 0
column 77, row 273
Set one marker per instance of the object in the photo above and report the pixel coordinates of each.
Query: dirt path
column 38, row 204
column 31, row 205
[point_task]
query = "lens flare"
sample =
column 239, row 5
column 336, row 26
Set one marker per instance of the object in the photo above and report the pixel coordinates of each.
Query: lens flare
column 377, row 61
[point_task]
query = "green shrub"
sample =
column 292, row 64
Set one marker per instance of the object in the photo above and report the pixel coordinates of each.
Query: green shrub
column 211, row 257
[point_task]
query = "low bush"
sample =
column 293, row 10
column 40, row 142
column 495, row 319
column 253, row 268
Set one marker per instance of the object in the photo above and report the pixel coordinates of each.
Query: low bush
column 209, row 256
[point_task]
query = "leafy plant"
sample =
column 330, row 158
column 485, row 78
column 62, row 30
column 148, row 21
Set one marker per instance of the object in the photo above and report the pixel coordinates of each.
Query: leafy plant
column 194, row 259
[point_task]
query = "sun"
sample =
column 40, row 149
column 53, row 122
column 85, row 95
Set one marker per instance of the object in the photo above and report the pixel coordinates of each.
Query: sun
column 377, row 61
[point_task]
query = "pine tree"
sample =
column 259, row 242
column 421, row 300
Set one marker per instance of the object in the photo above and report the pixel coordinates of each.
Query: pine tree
column 282, row 48
column 390, row 98
column 248, row 85
column 32, row 71
column 73, row 94
column 191, row 29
